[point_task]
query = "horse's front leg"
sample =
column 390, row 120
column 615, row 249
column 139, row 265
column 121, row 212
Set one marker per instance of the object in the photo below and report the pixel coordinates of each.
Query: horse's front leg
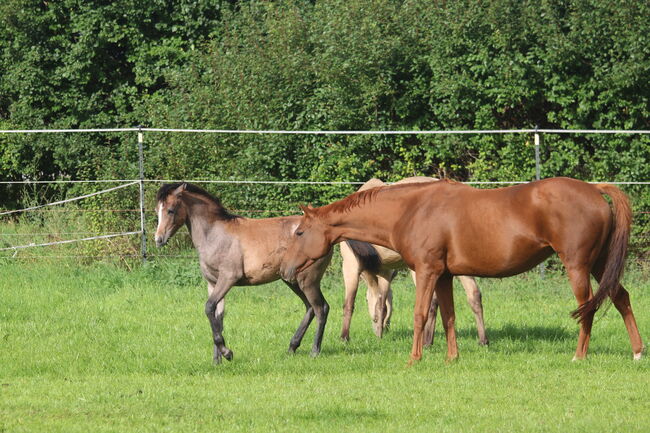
column 430, row 325
column 351, row 282
column 379, row 299
column 426, row 279
column 214, row 310
column 306, row 320
column 445, row 293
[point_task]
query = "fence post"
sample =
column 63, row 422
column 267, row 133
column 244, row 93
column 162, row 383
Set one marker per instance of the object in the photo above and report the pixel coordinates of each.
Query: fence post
column 143, row 238
column 542, row 267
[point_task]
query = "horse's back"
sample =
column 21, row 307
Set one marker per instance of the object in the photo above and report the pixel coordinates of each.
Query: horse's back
column 261, row 244
column 485, row 232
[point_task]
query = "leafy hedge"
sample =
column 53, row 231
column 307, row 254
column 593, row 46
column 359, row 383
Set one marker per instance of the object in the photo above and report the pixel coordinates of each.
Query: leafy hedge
column 355, row 64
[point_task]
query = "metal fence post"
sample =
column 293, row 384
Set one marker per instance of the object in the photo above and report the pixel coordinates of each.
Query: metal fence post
column 542, row 267
column 143, row 239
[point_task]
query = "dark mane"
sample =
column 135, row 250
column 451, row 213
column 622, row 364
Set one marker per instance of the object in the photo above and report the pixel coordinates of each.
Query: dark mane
column 168, row 188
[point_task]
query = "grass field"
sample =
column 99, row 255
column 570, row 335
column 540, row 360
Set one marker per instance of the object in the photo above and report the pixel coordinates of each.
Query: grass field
column 102, row 349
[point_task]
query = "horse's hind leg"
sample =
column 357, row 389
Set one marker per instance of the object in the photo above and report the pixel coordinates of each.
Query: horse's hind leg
column 579, row 279
column 306, row 320
column 622, row 303
column 474, row 301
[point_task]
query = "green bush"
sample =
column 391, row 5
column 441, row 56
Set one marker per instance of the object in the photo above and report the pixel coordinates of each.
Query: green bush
column 350, row 65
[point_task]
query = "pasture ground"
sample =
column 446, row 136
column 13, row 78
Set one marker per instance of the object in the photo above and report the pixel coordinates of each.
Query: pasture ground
column 102, row 349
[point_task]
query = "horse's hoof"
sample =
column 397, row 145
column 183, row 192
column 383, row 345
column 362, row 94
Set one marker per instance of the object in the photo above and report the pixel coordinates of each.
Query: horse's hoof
column 345, row 338
column 485, row 343
column 314, row 353
column 412, row 361
column 451, row 360
column 638, row 356
column 228, row 354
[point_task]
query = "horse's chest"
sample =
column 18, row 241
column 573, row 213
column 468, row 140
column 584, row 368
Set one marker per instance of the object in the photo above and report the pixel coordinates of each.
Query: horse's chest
column 219, row 262
column 210, row 273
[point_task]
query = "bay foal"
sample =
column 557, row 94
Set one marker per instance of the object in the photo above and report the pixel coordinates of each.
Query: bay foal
column 237, row 251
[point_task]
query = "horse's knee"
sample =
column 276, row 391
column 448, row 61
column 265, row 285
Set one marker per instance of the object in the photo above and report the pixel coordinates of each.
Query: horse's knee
column 210, row 308
column 476, row 303
column 419, row 321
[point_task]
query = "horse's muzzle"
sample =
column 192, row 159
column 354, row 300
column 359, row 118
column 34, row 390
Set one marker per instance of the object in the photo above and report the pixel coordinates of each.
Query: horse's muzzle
column 288, row 273
column 160, row 241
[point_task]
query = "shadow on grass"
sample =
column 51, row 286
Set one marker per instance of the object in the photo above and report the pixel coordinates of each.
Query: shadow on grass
column 341, row 414
column 508, row 331
column 528, row 333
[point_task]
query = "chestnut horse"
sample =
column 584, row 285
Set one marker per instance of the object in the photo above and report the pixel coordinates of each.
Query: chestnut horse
column 377, row 266
column 447, row 228
column 237, row 251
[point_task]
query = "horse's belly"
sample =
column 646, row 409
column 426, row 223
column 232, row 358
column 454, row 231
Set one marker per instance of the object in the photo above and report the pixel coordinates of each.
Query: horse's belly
column 264, row 273
column 481, row 260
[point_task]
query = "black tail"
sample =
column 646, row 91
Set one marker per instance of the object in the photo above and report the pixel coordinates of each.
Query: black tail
column 367, row 255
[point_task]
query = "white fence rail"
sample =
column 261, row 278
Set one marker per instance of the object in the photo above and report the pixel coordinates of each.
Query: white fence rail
column 142, row 181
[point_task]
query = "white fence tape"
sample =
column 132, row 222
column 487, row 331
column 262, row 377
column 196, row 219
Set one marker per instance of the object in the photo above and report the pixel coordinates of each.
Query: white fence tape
column 285, row 132
column 18, row 247
column 68, row 200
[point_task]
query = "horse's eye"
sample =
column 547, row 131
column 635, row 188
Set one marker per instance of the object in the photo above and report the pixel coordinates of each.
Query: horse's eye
column 170, row 212
column 299, row 233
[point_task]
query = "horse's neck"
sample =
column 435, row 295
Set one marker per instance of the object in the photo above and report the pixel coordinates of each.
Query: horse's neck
column 367, row 222
column 201, row 222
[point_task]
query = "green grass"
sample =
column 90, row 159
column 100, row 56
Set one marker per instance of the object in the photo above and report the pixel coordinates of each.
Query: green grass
column 101, row 349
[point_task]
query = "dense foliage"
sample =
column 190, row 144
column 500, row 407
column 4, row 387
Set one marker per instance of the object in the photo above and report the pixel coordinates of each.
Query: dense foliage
column 353, row 64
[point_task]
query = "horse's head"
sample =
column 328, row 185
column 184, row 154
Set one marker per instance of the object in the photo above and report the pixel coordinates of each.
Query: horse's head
column 172, row 214
column 309, row 242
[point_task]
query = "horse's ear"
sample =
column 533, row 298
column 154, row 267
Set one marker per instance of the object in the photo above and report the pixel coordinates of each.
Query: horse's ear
column 180, row 189
column 306, row 210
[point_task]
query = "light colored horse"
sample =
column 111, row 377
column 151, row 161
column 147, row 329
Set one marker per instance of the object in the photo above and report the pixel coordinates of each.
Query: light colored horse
column 237, row 251
column 377, row 266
